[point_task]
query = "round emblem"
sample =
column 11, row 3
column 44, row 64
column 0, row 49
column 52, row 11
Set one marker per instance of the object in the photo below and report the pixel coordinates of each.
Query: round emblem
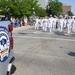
column 4, row 44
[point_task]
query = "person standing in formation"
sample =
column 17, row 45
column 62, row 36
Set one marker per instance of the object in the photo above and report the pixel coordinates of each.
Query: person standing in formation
column 61, row 23
column 54, row 23
column 45, row 23
column 50, row 23
column 40, row 22
column 37, row 23
column 74, row 25
column 69, row 24
column 65, row 22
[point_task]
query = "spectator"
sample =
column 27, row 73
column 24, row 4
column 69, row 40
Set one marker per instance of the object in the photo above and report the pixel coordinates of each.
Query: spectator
column 25, row 21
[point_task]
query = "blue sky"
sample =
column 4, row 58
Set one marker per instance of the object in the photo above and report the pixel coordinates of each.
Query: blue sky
column 70, row 2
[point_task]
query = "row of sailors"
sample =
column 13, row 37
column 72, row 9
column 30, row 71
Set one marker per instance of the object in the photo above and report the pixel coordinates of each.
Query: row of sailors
column 52, row 22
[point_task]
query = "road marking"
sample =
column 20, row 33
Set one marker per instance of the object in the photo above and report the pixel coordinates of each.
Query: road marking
column 50, row 38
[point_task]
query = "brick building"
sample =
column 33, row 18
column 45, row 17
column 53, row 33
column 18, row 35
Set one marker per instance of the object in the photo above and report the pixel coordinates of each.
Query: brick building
column 66, row 8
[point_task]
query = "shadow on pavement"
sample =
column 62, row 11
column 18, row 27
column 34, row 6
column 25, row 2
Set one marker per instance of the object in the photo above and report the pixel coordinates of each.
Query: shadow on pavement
column 59, row 33
column 63, row 34
column 71, row 54
column 73, row 35
column 25, row 33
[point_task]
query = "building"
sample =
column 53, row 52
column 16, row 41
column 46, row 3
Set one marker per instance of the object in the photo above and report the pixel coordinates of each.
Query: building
column 43, row 3
column 66, row 8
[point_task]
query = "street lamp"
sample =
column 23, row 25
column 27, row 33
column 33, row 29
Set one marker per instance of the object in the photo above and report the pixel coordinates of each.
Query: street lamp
column 48, row 10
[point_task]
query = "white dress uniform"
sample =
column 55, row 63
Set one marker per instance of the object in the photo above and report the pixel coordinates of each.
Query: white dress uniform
column 50, row 25
column 42, row 20
column 54, row 24
column 74, row 25
column 25, row 20
column 37, row 24
column 45, row 23
column 65, row 22
column 61, row 23
column 69, row 23
column 42, row 23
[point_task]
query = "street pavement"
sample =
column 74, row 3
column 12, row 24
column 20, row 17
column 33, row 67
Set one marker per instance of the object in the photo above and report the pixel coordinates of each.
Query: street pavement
column 43, row 53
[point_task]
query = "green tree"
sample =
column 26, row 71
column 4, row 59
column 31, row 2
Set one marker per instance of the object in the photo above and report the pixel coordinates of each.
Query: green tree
column 55, row 7
column 9, row 7
column 18, row 8
column 70, row 13
column 41, row 12
column 3, row 7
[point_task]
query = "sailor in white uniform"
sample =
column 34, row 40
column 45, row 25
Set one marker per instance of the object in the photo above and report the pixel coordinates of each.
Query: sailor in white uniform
column 61, row 23
column 41, row 23
column 74, row 25
column 69, row 24
column 65, row 22
column 45, row 23
column 54, row 23
column 37, row 23
column 50, row 23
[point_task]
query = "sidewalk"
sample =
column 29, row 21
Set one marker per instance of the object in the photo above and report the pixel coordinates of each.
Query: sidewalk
column 20, row 28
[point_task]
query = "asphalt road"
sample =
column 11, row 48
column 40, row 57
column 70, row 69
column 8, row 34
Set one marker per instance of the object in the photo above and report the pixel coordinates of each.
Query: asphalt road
column 43, row 53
